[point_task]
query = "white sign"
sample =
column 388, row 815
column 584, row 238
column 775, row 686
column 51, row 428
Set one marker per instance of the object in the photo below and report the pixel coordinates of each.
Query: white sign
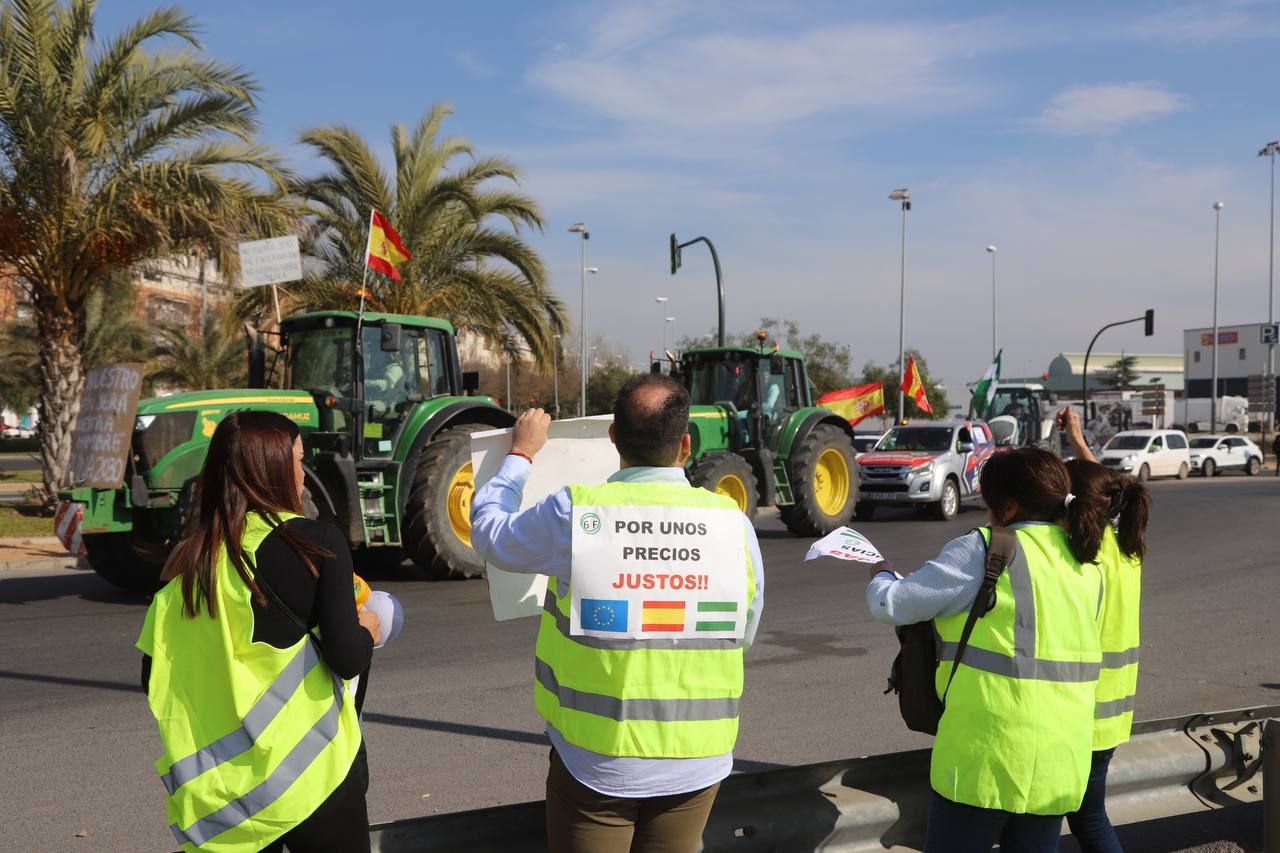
column 846, row 544
column 579, row 451
column 272, row 261
column 658, row 572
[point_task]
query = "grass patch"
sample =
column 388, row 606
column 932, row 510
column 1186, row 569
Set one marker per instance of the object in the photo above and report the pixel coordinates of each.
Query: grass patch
column 21, row 476
column 15, row 521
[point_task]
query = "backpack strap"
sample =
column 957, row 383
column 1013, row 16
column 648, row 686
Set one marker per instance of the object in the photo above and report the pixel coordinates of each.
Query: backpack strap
column 1000, row 553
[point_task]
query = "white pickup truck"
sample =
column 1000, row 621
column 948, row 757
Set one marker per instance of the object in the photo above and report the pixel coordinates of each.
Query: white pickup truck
column 932, row 464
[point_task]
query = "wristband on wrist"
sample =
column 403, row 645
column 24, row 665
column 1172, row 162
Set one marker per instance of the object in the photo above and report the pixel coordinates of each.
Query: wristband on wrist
column 524, row 456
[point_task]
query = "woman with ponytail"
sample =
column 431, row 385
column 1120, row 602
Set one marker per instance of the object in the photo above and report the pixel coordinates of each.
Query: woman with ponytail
column 1014, row 744
column 1127, row 506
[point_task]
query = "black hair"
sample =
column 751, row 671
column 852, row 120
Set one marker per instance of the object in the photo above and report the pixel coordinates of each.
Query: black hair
column 648, row 425
column 1030, row 484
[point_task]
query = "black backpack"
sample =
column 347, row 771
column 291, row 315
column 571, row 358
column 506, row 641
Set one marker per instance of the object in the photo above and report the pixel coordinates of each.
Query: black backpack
column 915, row 667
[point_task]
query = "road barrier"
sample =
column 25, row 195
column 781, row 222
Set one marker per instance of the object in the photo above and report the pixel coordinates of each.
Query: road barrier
column 1171, row 767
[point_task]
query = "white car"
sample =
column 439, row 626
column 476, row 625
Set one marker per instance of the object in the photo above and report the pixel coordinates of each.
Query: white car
column 1146, row 453
column 1213, row 454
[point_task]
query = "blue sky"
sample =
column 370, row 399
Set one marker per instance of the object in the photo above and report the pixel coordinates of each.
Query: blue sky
column 1087, row 141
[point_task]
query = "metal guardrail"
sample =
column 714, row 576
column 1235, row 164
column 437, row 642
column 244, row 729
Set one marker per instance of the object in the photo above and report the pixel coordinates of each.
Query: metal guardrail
column 1171, row 767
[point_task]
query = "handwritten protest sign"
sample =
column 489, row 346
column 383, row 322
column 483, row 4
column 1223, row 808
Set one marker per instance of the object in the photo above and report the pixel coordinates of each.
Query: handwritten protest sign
column 653, row 572
column 100, row 442
column 846, row 544
column 272, row 261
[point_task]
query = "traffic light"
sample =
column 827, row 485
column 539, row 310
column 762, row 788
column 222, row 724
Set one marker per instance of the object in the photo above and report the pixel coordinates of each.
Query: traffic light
column 675, row 254
column 1150, row 322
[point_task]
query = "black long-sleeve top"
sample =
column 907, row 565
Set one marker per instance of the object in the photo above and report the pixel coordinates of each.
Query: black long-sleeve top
column 325, row 601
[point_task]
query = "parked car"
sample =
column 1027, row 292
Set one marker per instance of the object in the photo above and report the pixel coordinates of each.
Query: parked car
column 931, row 464
column 1147, row 453
column 1213, row 454
column 12, row 431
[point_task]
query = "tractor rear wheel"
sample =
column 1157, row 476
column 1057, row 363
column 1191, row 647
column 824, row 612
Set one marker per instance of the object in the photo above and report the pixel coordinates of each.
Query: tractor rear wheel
column 823, row 482
column 730, row 475
column 437, row 518
column 116, row 560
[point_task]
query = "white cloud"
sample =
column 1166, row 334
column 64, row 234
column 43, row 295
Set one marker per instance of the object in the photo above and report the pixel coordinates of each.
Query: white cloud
column 1203, row 23
column 641, row 67
column 1083, row 110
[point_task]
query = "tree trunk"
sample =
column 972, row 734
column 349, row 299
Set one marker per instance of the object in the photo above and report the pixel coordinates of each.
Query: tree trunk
column 61, row 385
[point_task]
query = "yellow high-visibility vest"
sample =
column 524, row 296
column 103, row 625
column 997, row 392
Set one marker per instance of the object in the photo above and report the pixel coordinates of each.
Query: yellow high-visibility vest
column 1118, row 681
column 1017, row 730
column 645, row 698
column 255, row 737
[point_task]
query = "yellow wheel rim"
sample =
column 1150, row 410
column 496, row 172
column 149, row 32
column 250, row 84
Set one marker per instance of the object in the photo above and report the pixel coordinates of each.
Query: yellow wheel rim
column 731, row 486
column 461, row 488
column 831, row 481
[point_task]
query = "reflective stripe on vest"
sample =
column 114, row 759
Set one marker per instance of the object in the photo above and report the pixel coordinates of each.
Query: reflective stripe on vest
column 641, row 698
column 273, row 787
column 254, row 723
column 1026, row 683
column 1118, row 681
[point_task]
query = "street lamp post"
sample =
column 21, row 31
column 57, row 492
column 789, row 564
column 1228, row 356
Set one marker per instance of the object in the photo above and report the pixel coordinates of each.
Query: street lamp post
column 672, row 321
column 1213, row 399
column 662, row 304
column 581, row 228
column 992, row 251
column 903, row 195
column 555, row 374
column 1270, row 150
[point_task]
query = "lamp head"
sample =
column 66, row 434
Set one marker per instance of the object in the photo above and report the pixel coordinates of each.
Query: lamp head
column 991, row 249
column 900, row 194
column 593, row 269
column 1217, row 205
column 578, row 228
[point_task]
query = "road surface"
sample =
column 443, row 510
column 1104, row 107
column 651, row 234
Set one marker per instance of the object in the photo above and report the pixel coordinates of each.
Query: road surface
column 449, row 718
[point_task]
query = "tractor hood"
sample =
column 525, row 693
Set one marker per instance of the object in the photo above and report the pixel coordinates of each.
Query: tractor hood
column 211, row 406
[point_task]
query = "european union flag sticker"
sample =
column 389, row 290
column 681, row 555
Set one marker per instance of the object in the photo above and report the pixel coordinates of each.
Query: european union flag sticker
column 603, row 614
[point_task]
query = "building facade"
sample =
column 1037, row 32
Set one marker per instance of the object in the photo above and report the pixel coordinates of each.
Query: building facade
column 1066, row 372
column 1241, row 354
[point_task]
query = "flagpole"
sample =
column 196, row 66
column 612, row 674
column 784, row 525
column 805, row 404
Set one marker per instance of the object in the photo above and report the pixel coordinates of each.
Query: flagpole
column 364, row 282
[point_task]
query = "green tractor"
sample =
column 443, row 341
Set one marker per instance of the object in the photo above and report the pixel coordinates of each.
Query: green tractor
column 386, row 422
column 757, row 436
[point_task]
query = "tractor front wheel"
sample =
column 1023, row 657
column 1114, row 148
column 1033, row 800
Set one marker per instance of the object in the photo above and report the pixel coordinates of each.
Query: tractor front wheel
column 437, row 519
column 116, row 560
column 823, row 482
column 730, row 475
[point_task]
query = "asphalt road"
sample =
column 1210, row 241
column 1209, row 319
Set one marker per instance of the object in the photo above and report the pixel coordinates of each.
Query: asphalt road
column 18, row 461
column 449, row 717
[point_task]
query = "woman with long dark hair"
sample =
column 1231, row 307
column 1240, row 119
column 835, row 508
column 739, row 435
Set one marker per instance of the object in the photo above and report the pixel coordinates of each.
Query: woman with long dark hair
column 1123, row 506
column 262, row 745
column 1013, row 746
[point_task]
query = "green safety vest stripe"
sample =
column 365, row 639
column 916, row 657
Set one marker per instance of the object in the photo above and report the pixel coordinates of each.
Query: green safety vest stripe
column 286, row 774
column 1114, row 708
column 633, row 709
column 1119, row 660
column 692, row 644
column 254, row 723
column 1019, row 666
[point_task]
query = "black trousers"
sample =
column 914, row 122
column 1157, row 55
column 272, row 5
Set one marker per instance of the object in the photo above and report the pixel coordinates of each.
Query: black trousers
column 340, row 824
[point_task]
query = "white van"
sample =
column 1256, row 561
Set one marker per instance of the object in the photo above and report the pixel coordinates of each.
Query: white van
column 1146, row 453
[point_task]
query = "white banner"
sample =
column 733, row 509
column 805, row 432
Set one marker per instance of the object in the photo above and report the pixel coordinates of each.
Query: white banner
column 272, row 261
column 651, row 572
column 846, row 544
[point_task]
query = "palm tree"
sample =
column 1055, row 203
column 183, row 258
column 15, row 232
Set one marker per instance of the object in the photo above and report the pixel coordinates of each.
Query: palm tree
column 111, row 154
column 466, row 267
column 215, row 359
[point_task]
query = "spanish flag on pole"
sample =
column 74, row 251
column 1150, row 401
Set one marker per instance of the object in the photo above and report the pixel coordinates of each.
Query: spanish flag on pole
column 855, row 404
column 913, row 387
column 385, row 251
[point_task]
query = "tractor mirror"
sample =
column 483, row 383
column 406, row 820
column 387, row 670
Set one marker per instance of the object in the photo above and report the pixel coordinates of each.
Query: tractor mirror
column 470, row 382
column 776, row 365
column 390, row 341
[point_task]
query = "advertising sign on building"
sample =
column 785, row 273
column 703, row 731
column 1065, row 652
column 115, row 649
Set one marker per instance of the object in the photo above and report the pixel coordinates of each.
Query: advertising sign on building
column 1206, row 339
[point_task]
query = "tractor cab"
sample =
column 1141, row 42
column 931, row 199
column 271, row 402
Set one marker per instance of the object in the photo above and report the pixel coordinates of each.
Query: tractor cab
column 759, row 389
column 364, row 393
column 1023, row 415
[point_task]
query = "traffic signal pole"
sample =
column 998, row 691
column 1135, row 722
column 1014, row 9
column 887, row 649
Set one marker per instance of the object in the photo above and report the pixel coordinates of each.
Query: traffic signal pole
column 1149, row 319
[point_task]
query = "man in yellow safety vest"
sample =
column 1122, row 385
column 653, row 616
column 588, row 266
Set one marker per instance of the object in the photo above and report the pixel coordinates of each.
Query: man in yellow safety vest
column 655, row 589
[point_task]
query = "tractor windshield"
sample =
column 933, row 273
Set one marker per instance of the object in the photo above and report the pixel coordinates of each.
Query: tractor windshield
column 321, row 361
column 1015, row 402
column 722, row 377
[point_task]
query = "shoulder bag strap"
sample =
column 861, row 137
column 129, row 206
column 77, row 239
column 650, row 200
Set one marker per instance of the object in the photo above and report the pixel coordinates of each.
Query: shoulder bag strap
column 1000, row 552
column 284, row 608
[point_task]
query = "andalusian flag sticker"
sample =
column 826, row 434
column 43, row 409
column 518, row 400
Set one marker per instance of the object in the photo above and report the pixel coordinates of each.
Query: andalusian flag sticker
column 717, row 616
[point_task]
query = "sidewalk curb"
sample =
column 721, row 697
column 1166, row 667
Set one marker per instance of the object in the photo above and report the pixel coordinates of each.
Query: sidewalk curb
column 42, row 565
column 24, row 541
